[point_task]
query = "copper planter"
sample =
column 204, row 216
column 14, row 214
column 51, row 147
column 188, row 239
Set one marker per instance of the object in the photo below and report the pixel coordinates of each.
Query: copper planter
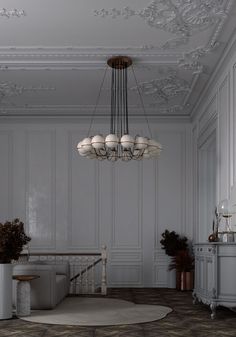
column 184, row 280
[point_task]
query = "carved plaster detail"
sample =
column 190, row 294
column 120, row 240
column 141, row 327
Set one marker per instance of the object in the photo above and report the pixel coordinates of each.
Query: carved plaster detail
column 190, row 60
column 162, row 89
column 170, row 110
column 12, row 12
column 182, row 17
column 10, row 89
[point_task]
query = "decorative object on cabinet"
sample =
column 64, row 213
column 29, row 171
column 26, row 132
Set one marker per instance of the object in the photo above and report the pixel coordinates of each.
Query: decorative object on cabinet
column 182, row 259
column 214, row 236
column 215, row 273
column 119, row 144
column 226, row 211
column 12, row 240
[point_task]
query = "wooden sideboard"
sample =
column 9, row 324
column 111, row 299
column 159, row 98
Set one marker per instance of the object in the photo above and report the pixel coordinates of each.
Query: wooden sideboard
column 215, row 275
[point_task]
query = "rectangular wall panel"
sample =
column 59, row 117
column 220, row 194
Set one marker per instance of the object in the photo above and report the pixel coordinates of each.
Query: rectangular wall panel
column 223, row 106
column 127, row 206
column 83, row 200
column 6, row 175
column 120, row 275
column 170, row 186
column 40, row 191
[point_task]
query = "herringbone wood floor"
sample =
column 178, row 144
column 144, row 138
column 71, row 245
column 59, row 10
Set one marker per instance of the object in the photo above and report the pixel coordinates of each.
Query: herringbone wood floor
column 186, row 320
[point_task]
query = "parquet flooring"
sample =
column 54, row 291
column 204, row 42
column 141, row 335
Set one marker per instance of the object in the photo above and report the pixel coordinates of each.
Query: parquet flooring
column 186, row 320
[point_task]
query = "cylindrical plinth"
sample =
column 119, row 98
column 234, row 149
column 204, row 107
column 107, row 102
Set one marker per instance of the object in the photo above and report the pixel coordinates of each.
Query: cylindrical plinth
column 23, row 298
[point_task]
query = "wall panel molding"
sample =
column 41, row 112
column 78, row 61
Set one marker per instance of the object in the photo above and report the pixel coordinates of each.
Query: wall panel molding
column 116, row 223
column 39, row 192
column 6, row 179
column 77, row 229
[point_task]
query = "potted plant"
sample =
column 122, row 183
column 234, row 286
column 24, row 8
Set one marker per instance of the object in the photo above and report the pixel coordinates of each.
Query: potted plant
column 183, row 262
column 173, row 242
column 12, row 240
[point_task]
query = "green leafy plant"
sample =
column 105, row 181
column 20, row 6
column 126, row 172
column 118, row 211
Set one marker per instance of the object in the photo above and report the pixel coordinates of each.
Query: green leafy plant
column 173, row 243
column 182, row 261
column 12, row 240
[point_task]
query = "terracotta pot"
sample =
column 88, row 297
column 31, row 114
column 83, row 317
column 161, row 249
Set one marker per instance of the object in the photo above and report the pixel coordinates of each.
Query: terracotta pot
column 184, row 280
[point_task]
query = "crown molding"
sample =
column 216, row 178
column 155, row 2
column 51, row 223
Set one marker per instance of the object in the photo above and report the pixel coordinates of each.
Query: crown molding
column 86, row 110
column 179, row 119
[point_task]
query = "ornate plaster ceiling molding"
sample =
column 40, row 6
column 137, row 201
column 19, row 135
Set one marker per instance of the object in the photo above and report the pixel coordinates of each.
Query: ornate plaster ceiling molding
column 190, row 60
column 10, row 89
column 182, row 17
column 163, row 89
column 12, row 12
column 170, row 110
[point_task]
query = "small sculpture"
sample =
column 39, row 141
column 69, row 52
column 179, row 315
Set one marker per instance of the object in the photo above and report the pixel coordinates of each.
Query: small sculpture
column 215, row 225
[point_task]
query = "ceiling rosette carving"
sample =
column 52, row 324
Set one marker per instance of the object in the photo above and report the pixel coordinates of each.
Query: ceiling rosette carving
column 163, row 89
column 181, row 17
column 12, row 12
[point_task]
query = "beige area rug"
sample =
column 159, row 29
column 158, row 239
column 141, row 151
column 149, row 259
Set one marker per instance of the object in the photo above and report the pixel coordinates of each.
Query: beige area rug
column 98, row 311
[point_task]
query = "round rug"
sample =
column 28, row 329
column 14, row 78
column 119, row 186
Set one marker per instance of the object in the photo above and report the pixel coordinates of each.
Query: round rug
column 98, row 311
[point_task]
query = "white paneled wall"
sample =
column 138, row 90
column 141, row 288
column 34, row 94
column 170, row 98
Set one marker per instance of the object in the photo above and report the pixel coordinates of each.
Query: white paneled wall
column 215, row 118
column 71, row 204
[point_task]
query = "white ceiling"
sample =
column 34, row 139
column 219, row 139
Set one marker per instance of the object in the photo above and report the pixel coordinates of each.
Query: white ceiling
column 53, row 53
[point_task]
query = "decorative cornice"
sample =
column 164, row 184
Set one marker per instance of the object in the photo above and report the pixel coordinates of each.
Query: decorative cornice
column 170, row 110
column 190, row 60
column 87, row 110
column 10, row 89
column 12, row 12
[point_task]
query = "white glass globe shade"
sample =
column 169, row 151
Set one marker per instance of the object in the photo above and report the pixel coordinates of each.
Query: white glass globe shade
column 86, row 144
column 127, row 141
column 137, row 152
column 97, row 142
column 146, row 154
column 82, row 152
column 91, row 156
column 141, row 143
column 111, row 141
column 159, row 145
column 79, row 146
column 153, row 145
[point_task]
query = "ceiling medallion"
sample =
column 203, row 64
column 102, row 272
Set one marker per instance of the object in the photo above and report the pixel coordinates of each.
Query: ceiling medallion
column 119, row 144
column 12, row 12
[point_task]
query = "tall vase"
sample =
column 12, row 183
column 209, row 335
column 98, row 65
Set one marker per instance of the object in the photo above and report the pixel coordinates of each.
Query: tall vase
column 5, row 291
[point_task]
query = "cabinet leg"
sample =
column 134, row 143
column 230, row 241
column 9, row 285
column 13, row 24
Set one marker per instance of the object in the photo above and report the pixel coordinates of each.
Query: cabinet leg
column 213, row 310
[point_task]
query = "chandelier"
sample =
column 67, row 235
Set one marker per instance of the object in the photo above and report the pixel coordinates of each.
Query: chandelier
column 119, row 144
